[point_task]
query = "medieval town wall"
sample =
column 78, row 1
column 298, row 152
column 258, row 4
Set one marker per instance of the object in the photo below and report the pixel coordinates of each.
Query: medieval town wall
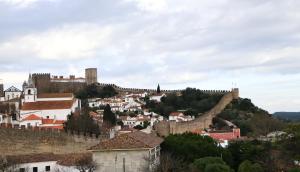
column 204, row 121
column 139, row 90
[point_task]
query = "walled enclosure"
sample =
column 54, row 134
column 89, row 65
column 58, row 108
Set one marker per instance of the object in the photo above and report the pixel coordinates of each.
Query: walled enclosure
column 165, row 128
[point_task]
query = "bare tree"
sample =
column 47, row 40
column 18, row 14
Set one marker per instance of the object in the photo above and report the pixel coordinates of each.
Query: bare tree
column 86, row 165
column 6, row 166
column 169, row 163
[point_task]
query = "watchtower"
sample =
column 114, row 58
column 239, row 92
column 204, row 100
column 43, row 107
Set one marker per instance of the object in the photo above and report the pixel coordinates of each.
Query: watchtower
column 91, row 76
column 235, row 93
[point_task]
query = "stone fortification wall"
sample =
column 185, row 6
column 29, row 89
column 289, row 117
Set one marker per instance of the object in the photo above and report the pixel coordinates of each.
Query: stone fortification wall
column 138, row 90
column 66, row 87
column 204, row 121
column 43, row 83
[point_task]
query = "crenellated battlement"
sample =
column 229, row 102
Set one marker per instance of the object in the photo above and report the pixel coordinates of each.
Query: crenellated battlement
column 41, row 74
column 118, row 88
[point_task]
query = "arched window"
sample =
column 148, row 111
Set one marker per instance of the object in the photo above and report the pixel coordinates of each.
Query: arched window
column 29, row 92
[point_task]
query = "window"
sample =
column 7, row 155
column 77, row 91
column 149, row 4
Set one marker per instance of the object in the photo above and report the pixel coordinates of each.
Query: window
column 47, row 168
column 34, row 169
column 22, row 169
column 29, row 92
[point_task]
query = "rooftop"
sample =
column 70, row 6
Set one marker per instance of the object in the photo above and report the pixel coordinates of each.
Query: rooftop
column 55, row 95
column 62, row 159
column 48, row 105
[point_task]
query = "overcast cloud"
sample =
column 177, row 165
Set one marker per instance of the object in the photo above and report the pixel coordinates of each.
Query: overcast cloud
column 139, row 43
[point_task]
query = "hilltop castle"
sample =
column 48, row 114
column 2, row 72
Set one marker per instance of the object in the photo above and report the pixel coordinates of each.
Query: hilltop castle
column 47, row 83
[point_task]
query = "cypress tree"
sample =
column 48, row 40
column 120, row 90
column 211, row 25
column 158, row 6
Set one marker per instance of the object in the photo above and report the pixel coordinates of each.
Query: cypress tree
column 158, row 89
column 109, row 116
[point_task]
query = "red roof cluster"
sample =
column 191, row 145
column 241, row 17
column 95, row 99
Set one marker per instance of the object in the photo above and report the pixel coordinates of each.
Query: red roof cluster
column 32, row 117
column 48, row 105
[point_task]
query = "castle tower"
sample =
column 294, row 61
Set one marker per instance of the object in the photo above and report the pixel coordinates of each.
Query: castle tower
column 91, row 76
column 41, row 81
column 235, row 93
column 1, row 89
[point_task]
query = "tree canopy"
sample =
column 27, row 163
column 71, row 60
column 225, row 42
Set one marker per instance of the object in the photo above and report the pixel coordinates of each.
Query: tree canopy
column 190, row 146
column 192, row 100
column 247, row 166
column 108, row 116
column 94, row 91
column 82, row 123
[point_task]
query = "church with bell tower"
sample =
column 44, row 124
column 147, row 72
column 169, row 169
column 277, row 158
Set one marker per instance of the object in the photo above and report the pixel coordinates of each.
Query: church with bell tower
column 30, row 92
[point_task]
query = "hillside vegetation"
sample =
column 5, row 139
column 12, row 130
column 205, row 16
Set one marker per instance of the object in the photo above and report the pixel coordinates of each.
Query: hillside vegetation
column 192, row 101
column 252, row 120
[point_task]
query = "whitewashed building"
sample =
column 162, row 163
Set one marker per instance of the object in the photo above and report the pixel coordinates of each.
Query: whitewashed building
column 179, row 117
column 157, row 97
column 46, row 162
column 55, row 106
column 12, row 93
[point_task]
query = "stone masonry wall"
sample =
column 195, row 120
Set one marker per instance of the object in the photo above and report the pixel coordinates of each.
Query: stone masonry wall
column 204, row 121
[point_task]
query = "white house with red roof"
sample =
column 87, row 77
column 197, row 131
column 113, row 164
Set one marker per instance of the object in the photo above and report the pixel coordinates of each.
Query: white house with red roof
column 33, row 120
column 179, row 117
column 56, row 106
column 157, row 97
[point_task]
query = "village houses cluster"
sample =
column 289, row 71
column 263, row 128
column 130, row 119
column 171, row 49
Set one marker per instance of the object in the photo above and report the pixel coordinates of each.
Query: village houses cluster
column 128, row 143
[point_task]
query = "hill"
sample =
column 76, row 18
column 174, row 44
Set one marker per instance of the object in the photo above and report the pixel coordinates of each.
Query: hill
column 252, row 120
column 291, row 116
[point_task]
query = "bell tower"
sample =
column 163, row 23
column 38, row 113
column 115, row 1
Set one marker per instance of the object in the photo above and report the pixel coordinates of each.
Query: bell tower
column 30, row 92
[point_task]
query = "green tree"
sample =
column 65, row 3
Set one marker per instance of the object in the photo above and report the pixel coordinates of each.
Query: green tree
column 294, row 170
column 190, row 146
column 247, row 166
column 254, row 151
column 82, row 123
column 217, row 168
column 202, row 163
column 158, row 89
column 108, row 116
column 94, row 91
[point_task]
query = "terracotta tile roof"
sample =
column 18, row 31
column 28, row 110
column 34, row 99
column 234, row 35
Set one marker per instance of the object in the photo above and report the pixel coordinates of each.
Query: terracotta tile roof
column 176, row 113
column 32, row 117
column 62, row 159
column 22, row 159
column 55, row 95
column 134, row 140
column 52, row 121
column 48, row 105
column 75, row 159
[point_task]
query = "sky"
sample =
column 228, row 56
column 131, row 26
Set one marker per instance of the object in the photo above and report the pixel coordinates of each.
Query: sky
column 250, row 44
